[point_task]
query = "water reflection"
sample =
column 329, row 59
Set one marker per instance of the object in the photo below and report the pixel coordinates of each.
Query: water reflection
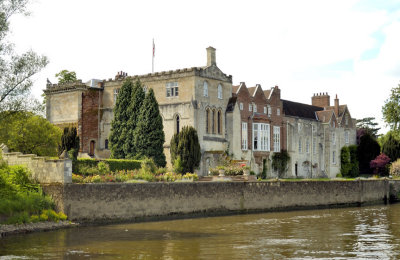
column 358, row 233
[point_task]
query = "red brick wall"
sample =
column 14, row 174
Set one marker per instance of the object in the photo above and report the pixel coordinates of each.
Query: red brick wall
column 89, row 120
column 243, row 96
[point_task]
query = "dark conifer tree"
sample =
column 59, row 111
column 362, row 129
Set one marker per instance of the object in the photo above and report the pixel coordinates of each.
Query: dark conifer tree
column 186, row 146
column 119, row 131
column 133, row 111
column 368, row 150
column 149, row 134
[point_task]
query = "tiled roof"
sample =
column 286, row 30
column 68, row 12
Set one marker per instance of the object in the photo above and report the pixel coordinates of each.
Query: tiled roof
column 324, row 116
column 291, row 108
column 235, row 89
column 267, row 93
column 252, row 90
column 342, row 108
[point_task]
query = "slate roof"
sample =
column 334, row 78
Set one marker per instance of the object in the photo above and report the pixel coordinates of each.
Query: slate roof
column 291, row 108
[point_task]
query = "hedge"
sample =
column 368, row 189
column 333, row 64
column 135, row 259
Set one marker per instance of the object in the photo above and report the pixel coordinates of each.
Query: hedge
column 115, row 164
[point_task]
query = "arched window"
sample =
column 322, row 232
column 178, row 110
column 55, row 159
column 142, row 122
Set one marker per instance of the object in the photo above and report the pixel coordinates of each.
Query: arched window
column 205, row 89
column 213, row 121
column 106, row 144
column 219, row 91
column 219, row 123
column 177, row 119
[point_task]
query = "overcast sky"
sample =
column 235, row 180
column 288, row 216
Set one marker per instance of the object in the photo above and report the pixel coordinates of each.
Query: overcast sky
column 349, row 48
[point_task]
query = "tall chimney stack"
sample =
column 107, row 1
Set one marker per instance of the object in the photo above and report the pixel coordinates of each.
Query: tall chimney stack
column 211, row 60
column 336, row 106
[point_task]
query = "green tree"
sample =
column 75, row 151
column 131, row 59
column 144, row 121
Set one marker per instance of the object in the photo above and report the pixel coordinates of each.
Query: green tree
column 390, row 144
column 119, row 130
column 66, row 76
column 185, row 147
column 368, row 125
column 345, row 163
column 30, row 134
column 391, row 109
column 368, row 150
column 133, row 110
column 69, row 141
column 149, row 134
column 354, row 169
column 348, row 161
column 16, row 71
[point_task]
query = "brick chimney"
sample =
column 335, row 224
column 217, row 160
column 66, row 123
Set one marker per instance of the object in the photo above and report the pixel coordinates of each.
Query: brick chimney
column 211, row 60
column 336, row 106
column 321, row 100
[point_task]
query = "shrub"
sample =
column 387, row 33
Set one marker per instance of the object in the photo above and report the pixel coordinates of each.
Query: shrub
column 379, row 164
column 103, row 167
column 395, row 168
column 178, row 168
column 82, row 165
column 280, row 162
column 189, row 176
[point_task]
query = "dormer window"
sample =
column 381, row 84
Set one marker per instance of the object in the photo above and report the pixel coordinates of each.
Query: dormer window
column 219, row 91
column 205, row 89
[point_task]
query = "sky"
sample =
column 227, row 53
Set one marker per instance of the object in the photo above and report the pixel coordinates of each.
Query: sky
column 349, row 48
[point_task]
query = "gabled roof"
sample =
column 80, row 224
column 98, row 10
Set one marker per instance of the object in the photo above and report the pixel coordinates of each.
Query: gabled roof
column 252, row 90
column 291, row 108
column 324, row 116
column 235, row 89
column 267, row 93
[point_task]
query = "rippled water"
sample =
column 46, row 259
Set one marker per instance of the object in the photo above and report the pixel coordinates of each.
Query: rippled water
column 349, row 233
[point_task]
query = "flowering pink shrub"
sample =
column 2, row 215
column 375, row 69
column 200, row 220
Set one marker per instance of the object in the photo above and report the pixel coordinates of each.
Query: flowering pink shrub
column 379, row 163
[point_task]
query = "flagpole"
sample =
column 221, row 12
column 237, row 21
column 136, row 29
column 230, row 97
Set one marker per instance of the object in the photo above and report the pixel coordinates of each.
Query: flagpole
column 152, row 60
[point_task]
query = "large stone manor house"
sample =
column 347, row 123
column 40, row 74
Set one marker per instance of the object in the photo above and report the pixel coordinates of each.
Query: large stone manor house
column 249, row 123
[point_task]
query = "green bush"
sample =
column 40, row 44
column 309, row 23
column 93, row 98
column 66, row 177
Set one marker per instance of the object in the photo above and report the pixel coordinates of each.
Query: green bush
column 22, row 201
column 82, row 165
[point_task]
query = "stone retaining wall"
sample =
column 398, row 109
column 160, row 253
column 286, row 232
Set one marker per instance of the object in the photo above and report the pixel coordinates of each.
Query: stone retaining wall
column 130, row 201
column 43, row 170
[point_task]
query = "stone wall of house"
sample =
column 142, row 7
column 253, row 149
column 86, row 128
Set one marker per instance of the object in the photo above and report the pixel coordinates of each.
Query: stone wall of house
column 43, row 170
column 129, row 201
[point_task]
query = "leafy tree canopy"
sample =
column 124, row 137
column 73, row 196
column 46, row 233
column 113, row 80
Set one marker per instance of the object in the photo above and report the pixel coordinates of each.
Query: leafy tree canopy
column 16, row 70
column 368, row 125
column 391, row 109
column 390, row 144
column 29, row 134
column 66, row 76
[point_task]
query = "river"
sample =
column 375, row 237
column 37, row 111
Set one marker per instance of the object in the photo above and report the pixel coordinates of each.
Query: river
column 371, row 232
